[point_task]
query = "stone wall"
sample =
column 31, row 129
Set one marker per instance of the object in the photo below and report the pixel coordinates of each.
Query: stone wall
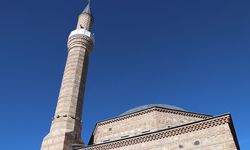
column 215, row 133
column 164, row 120
column 144, row 122
column 216, row 138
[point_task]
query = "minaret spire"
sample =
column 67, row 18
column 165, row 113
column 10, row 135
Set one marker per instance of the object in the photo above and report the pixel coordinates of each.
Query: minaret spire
column 87, row 8
column 66, row 127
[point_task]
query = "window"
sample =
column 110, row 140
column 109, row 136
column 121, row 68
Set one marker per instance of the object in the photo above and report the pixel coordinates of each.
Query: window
column 197, row 143
column 145, row 131
column 106, row 141
column 125, row 136
column 181, row 146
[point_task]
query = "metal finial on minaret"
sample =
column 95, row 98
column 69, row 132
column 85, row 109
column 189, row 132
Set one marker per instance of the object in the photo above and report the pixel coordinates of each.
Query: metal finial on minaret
column 87, row 8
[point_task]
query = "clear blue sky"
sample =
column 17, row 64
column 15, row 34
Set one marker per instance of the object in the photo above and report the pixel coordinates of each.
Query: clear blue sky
column 193, row 54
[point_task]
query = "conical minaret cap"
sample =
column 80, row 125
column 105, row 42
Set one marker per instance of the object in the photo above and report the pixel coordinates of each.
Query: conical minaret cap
column 87, row 8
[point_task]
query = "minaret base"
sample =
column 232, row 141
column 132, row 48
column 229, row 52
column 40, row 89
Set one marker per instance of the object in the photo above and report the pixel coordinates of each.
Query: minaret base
column 60, row 142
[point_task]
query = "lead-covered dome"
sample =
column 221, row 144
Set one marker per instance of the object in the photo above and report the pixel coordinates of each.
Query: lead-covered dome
column 140, row 108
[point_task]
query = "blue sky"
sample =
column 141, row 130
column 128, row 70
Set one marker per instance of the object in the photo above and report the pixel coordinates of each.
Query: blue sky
column 193, row 54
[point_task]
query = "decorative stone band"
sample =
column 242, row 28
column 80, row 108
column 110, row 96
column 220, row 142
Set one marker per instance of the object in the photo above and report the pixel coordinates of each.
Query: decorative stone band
column 81, row 40
column 66, row 116
column 159, row 109
column 191, row 127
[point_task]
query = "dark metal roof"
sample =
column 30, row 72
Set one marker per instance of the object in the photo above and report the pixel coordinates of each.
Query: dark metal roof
column 140, row 108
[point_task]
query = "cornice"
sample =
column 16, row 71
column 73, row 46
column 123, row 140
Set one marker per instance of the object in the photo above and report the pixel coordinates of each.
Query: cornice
column 149, row 110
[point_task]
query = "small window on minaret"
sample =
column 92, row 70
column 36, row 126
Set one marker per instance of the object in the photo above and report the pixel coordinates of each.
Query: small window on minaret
column 110, row 129
column 81, row 26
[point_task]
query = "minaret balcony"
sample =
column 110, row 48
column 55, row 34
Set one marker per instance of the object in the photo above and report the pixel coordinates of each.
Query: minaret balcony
column 83, row 32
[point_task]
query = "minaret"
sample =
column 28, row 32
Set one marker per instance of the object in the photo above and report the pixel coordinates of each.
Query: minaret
column 66, row 125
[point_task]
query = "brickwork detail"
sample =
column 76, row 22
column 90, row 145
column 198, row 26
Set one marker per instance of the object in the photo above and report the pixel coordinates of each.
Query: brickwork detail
column 85, row 21
column 153, row 120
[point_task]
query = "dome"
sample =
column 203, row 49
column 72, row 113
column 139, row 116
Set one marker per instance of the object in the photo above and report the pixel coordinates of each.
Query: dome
column 143, row 107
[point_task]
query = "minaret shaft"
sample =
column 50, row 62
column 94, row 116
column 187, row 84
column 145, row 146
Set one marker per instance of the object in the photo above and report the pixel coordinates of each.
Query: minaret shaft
column 72, row 88
column 70, row 101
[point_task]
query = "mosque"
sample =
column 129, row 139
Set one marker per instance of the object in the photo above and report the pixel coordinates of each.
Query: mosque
column 149, row 127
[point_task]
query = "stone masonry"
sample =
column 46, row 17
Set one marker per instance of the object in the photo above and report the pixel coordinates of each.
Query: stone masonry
column 141, row 122
column 213, row 133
